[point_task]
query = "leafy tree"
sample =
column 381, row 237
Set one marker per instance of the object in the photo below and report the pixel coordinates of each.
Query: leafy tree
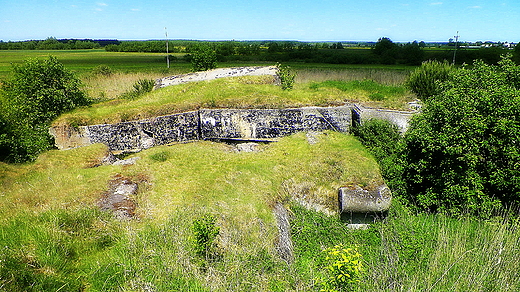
column 38, row 92
column 412, row 53
column 387, row 50
column 383, row 45
column 463, row 151
column 204, row 58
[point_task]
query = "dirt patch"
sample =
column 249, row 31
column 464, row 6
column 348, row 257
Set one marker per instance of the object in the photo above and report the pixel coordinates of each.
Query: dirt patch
column 119, row 197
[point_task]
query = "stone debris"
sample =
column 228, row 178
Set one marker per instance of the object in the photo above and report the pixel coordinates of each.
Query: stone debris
column 284, row 244
column 313, row 137
column 215, row 74
column 118, row 199
column 129, row 161
column 248, row 147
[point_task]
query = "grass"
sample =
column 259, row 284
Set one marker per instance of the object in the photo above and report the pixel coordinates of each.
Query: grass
column 53, row 238
column 83, row 61
column 238, row 92
column 51, row 242
column 177, row 185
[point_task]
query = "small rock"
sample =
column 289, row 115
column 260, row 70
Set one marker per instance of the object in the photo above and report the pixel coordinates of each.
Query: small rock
column 313, row 137
column 248, row 147
column 129, row 161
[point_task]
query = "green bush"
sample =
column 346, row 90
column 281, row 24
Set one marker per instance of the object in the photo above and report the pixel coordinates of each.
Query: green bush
column 462, row 152
column 203, row 58
column 38, row 92
column 285, row 76
column 424, row 81
column 385, row 142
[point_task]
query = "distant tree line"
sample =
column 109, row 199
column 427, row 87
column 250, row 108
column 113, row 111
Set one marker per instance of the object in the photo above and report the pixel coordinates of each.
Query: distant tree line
column 384, row 51
column 56, row 44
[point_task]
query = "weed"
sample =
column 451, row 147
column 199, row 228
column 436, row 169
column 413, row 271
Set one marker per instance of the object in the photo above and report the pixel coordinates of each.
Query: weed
column 285, row 76
column 343, row 270
column 160, row 156
column 205, row 233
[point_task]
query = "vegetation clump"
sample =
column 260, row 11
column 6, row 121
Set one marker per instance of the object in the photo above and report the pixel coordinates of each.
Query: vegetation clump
column 344, row 269
column 285, row 76
column 425, row 80
column 39, row 91
column 461, row 153
column 203, row 58
column 140, row 88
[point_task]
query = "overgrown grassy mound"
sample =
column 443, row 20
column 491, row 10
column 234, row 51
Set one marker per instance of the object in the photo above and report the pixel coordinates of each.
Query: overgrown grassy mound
column 237, row 92
column 64, row 241
column 53, row 237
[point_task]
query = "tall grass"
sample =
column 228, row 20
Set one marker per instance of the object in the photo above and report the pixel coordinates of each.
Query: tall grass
column 417, row 252
column 392, row 77
column 108, row 87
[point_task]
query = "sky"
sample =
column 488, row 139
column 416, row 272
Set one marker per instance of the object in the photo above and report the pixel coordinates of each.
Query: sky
column 300, row 20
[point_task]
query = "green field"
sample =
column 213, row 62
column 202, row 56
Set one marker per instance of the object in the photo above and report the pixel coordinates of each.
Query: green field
column 83, row 61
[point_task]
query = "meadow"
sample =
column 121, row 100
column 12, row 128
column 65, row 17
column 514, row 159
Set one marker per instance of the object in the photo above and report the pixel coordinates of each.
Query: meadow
column 54, row 238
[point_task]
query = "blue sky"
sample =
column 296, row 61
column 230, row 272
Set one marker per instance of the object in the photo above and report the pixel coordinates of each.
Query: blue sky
column 303, row 20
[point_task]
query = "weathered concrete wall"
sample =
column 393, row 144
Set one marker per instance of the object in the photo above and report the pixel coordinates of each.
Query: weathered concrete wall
column 271, row 123
column 399, row 118
column 131, row 136
column 220, row 124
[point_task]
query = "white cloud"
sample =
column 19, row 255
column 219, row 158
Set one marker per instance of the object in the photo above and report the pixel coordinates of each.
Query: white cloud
column 475, row 7
column 436, row 3
column 135, row 9
column 102, row 4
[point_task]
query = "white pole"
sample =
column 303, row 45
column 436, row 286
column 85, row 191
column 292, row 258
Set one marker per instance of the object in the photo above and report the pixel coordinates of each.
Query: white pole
column 456, row 43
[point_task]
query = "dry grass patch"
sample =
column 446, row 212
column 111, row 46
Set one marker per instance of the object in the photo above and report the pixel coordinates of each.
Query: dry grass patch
column 111, row 86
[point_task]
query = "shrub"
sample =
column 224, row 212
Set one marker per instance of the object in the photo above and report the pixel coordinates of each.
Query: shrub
column 203, row 59
column 424, row 81
column 462, row 151
column 385, row 142
column 285, row 76
column 39, row 91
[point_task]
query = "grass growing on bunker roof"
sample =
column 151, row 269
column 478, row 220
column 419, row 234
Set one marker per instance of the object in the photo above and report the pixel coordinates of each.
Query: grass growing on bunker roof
column 236, row 92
